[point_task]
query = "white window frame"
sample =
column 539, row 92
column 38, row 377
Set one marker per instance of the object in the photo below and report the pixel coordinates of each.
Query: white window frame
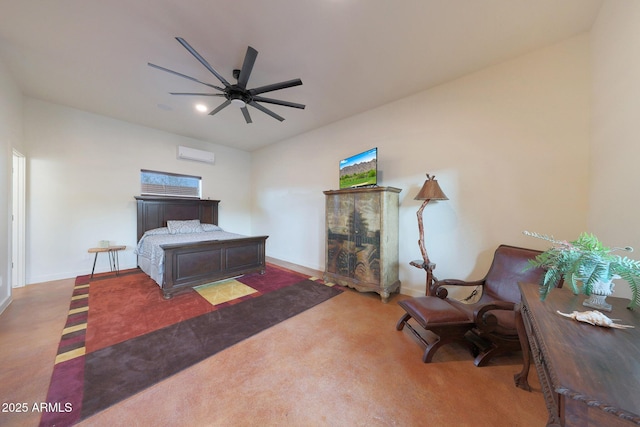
column 156, row 183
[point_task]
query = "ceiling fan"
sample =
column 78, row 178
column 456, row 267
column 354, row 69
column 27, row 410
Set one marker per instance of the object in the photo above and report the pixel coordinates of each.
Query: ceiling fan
column 237, row 94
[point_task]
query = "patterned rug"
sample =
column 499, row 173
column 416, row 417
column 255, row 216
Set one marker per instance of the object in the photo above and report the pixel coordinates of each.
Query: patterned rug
column 121, row 336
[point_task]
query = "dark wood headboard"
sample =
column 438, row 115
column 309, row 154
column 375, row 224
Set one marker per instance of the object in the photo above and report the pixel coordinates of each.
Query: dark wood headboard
column 154, row 212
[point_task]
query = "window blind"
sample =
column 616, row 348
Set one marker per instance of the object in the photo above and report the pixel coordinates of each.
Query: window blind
column 154, row 183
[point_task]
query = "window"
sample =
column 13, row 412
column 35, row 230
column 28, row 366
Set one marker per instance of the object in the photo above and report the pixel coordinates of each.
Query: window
column 154, row 183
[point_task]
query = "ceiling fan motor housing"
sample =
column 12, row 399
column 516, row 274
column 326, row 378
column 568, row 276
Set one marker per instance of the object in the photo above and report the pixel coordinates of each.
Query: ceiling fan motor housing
column 237, row 95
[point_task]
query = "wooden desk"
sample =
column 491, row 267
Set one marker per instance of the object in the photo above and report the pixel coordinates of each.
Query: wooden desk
column 590, row 376
column 114, row 263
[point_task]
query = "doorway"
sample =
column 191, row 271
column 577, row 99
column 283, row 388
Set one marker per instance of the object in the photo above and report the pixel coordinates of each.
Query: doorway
column 18, row 263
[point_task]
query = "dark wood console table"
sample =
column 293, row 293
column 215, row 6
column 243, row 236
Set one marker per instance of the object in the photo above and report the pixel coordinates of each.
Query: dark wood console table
column 590, row 375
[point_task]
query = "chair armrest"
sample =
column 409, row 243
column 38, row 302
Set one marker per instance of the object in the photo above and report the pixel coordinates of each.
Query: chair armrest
column 456, row 282
column 440, row 291
column 486, row 321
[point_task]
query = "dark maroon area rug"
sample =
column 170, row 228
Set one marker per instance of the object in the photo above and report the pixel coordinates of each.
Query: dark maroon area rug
column 92, row 373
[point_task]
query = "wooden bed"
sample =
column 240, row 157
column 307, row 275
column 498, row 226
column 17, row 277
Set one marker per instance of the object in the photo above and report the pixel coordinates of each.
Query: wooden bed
column 193, row 264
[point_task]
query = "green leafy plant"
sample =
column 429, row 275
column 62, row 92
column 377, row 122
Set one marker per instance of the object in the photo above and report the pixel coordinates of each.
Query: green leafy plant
column 583, row 263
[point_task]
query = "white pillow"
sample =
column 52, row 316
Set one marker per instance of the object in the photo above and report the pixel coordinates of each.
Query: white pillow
column 185, row 227
column 210, row 227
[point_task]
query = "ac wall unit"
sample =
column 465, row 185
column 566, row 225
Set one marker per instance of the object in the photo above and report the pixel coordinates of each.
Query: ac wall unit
column 187, row 153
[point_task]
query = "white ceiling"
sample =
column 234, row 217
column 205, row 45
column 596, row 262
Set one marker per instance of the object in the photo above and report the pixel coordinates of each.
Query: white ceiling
column 352, row 55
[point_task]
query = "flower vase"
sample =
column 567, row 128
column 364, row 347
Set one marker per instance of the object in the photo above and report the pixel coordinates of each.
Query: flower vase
column 599, row 294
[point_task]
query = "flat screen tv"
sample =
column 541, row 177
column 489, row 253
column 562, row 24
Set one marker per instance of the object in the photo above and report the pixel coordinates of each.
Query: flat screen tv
column 360, row 170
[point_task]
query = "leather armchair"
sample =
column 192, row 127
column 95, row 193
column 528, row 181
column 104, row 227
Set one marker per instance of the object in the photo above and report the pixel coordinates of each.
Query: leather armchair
column 488, row 324
column 493, row 315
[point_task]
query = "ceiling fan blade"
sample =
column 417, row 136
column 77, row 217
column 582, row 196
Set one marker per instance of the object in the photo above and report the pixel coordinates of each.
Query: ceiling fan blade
column 220, row 107
column 193, row 52
column 196, row 94
column 275, row 86
column 247, row 66
column 278, row 102
column 183, row 76
column 245, row 113
column 265, row 110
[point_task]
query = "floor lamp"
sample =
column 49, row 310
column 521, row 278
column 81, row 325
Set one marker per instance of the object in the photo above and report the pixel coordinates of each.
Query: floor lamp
column 430, row 191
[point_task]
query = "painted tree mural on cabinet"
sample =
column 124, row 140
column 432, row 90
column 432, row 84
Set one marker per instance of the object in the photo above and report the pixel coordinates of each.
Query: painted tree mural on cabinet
column 362, row 242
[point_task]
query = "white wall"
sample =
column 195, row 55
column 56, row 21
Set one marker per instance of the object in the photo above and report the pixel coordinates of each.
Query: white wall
column 83, row 173
column 508, row 146
column 614, row 207
column 10, row 138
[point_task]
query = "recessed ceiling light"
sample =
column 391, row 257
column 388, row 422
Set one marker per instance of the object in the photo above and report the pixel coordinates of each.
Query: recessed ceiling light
column 202, row 108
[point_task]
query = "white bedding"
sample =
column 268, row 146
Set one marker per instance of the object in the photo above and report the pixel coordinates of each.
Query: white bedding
column 151, row 255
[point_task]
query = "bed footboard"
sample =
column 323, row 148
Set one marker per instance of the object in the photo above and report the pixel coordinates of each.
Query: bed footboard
column 186, row 266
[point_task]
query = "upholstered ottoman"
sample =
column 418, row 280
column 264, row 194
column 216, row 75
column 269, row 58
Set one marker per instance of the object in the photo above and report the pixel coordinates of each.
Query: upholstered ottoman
column 437, row 316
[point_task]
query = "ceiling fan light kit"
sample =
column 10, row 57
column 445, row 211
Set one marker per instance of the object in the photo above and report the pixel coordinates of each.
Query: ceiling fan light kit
column 237, row 94
column 238, row 102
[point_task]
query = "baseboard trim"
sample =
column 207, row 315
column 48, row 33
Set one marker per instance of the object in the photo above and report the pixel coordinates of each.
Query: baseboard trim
column 5, row 303
column 295, row 267
column 317, row 273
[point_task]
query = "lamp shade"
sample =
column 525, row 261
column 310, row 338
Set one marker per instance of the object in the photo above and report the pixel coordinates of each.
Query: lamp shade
column 431, row 190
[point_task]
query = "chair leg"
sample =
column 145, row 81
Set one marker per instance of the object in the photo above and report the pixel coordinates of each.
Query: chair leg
column 493, row 350
column 403, row 320
column 431, row 347
column 431, row 350
column 483, row 358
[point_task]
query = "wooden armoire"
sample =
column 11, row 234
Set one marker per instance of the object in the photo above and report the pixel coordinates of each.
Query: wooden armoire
column 362, row 239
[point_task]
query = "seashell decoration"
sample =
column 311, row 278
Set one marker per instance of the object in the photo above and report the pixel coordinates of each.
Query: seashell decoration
column 595, row 318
